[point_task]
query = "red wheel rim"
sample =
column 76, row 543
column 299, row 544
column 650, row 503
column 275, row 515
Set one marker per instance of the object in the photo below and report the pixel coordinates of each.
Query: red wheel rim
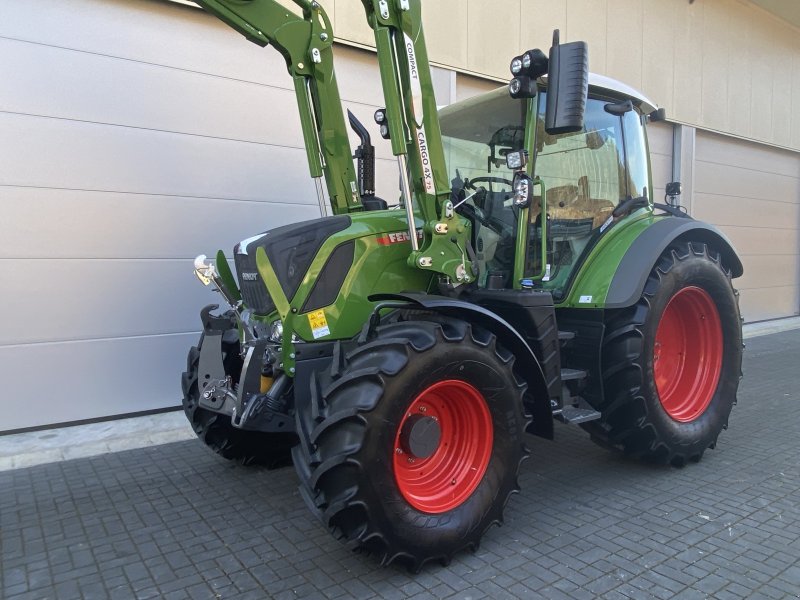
column 446, row 478
column 688, row 354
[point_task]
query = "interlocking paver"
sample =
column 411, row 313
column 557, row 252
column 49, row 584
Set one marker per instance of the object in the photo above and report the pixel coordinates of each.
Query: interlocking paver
column 175, row 521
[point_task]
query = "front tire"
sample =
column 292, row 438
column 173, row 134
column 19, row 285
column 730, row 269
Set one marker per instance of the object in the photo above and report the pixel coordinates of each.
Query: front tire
column 672, row 363
column 413, row 442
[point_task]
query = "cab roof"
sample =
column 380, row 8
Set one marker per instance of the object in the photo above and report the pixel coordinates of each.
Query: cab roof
column 481, row 116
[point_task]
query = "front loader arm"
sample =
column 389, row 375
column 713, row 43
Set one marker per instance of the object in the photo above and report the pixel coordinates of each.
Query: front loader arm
column 416, row 137
column 306, row 46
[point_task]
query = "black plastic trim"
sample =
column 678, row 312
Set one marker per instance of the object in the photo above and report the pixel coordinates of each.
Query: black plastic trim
column 629, row 279
column 331, row 277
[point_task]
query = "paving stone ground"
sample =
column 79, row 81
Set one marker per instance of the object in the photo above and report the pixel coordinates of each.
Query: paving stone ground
column 175, row 521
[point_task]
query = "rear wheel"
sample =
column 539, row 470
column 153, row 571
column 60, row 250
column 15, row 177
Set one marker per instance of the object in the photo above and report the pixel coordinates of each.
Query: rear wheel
column 672, row 363
column 215, row 430
column 413, row 442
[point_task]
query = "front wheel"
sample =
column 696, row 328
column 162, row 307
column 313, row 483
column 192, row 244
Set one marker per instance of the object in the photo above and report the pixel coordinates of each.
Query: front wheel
column 672, row 363
column 412, row 445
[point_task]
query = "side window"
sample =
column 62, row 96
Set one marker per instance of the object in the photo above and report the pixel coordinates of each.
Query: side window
column 636, row 149
column 584, row 172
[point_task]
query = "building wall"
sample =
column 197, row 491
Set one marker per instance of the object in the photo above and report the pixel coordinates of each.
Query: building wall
column 722, row 65
column 752, row 192
column 137, row 134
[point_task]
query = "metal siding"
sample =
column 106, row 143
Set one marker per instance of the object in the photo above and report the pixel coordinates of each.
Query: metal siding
column 723, row 65
column 67, row 381
column 138, row 134
column 752, row 192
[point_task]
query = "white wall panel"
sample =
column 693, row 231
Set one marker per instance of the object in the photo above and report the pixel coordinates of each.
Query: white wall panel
column 103, row 89
column 145, row 31
column 55, row 223
column 68, row 299
column 61, row 382
column 58, row 153
column 137, row 134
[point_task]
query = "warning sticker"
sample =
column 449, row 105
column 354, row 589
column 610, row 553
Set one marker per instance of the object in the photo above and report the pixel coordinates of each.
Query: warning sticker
column 319, row 324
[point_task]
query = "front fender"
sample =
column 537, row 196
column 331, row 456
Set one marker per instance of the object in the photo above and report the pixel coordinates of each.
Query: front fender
column 529, row 368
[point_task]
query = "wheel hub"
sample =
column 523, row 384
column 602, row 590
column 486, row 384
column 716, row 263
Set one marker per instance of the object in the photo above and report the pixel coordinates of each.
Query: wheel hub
column 443, row 446
column 420, row 436
column 687, row 354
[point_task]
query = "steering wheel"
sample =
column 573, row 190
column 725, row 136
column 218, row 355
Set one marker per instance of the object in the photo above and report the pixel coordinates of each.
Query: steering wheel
column 470, row 183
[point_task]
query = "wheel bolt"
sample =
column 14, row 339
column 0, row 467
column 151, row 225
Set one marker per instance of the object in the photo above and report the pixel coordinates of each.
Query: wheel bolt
column 423, row 409
column 398, row 450
column 453, row 482
column 411, row 460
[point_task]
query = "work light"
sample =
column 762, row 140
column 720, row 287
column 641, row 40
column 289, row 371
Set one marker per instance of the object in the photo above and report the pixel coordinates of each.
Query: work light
column 517, row 160
column 516, row 65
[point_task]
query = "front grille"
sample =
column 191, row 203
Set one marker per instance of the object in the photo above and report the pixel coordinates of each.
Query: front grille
column 254, row 292
column 290, row 250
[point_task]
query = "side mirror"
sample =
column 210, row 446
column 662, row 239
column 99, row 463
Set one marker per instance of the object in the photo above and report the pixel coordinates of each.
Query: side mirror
column 567, row 86
column 674, row 188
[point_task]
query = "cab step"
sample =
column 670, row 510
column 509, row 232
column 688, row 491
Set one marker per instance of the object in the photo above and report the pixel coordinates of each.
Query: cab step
column 573, row 374
column 574, row 415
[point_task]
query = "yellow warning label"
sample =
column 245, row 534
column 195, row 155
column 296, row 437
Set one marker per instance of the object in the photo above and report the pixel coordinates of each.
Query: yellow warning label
column 318, row 323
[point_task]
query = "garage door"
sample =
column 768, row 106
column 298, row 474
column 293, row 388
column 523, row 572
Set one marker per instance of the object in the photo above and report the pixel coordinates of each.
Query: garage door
column 752, row 192
column 136, row 135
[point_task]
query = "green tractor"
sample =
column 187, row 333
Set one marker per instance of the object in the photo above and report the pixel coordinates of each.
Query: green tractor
column 398, row 355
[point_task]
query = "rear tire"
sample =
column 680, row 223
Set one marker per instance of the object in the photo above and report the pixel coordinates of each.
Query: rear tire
column 215, row 430
column 356, row 460
column 672, row 363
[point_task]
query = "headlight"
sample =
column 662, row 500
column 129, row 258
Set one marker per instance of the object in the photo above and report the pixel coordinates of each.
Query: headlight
column 516, row 66
column 522, row 190
column 380, row 116
column 276, row 331
column 522, row 87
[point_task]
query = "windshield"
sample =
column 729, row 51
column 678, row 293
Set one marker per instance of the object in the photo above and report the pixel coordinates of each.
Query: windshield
column 477, row 134
column 581, row 177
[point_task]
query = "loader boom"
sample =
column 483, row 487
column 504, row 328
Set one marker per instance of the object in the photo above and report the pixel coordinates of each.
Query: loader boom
column 416, row 136
column 306, row 46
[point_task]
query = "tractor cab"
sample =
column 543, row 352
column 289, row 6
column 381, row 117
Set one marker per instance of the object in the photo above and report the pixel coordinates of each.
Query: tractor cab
column 580, row 179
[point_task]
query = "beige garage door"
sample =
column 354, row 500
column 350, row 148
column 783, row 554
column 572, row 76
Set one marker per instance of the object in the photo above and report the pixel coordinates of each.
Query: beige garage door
column 752, row 192
column 136, row 135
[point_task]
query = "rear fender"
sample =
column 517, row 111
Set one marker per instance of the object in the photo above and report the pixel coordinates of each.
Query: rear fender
column 528, row 366
column 630, row 277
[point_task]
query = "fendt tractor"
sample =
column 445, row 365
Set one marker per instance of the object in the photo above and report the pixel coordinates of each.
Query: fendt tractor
column 398, row 354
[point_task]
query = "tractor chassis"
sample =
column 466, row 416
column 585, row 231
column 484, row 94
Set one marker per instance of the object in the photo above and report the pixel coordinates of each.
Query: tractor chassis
column 532, row 314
